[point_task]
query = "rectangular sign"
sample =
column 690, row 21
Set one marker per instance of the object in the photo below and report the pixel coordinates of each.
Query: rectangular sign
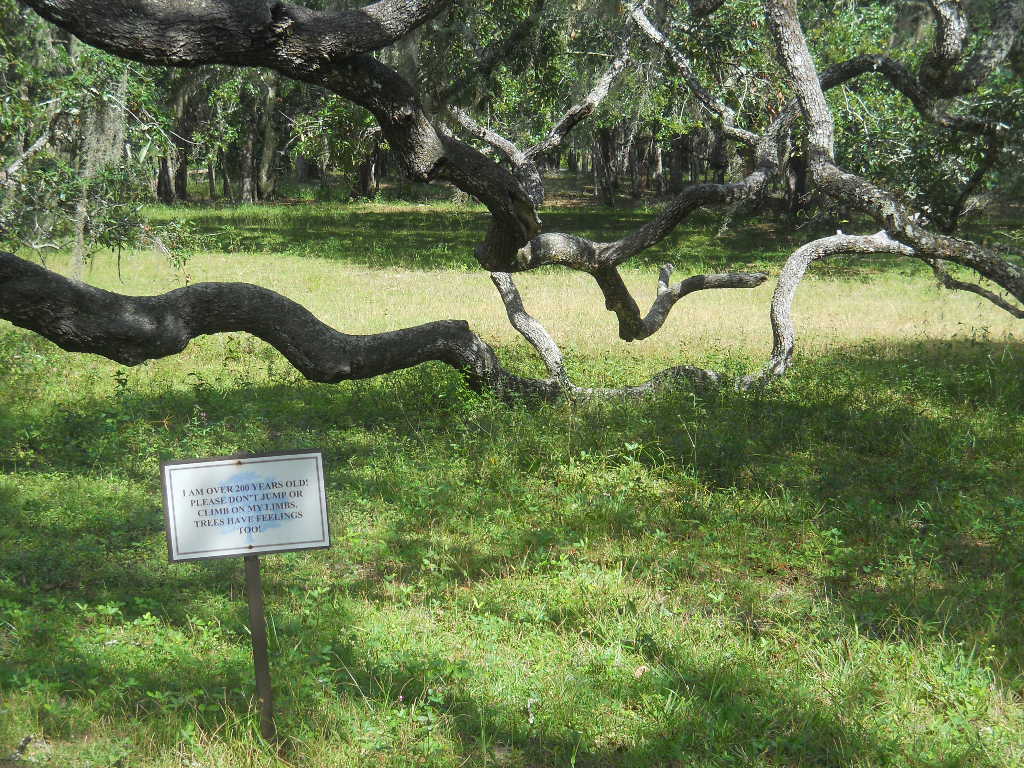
column 229, row 506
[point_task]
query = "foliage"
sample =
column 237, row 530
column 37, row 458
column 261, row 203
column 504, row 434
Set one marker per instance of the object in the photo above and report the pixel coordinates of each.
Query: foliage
column 336, row 134
column 824, row 573
column 56, row 88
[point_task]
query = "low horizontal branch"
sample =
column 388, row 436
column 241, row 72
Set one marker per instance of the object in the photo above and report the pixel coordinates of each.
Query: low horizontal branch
column 243, row 32
column 633, row 326
column 133, row 329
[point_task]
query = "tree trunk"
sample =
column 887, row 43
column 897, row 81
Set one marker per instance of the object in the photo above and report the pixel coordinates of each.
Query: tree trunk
column 246, row 171
column 211, row 179
column 605, row 179
column 718, row 159
column 164, row 187
column 181, row 173
column 680, row 163
column 796, row 184
column 267, row 178
column 103, row 131
column 305, row 171
column 366, row 177
column 225, row 179
column 658, row 170
column 640, row 167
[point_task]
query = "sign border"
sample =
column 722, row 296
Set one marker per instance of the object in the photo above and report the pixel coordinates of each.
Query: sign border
column 240, row 457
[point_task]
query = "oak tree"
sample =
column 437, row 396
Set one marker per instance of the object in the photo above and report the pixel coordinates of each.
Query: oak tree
column 431, row 122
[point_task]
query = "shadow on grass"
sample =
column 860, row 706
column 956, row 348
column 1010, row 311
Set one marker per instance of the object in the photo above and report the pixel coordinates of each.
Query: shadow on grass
column 444, row 236
column 909, row 453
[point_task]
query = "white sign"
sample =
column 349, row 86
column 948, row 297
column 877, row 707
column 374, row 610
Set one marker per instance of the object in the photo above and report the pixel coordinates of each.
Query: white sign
column 245, row 506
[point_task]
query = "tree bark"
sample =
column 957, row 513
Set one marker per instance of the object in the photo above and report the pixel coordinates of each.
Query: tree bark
column 181, row 173
column 211, row 179
column 605, row 178
column 247, row 191
column 164, row 185
column 267, row 176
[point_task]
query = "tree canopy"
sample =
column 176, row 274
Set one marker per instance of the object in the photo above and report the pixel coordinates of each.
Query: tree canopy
column 894, row 117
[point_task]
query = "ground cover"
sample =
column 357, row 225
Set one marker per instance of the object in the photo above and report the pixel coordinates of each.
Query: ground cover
column 826, row 572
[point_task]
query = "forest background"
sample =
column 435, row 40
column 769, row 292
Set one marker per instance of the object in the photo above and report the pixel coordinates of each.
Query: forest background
column 823, row 569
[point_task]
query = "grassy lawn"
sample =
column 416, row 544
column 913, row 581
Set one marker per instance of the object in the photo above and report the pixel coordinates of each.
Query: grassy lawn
column 825, row 573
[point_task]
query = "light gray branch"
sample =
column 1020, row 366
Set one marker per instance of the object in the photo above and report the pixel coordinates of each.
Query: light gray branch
column 722, row 112
column 10, row 173
column 783, row 330
column 792, row 52
column 530, row 328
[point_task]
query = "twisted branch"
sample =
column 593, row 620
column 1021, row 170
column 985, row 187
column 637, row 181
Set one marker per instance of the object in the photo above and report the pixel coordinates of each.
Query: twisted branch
column 132, row 329
column 783, row 330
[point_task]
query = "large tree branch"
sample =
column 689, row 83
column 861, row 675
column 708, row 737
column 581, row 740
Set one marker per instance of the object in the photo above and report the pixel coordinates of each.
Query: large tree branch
column 795, row 57
column 530, row 329
column 903, row 224
column 632, row 325
column 132, row 329
column 242, row 32
column 937, row 70
column 783, row 330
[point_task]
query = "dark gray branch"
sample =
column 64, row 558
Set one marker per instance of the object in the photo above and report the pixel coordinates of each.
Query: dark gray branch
column 946, row 280
column 132, row 329
column 242, row 32
column 633, row 326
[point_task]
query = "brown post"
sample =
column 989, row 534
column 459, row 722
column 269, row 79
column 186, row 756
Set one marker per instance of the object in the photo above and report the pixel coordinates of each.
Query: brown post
column 258, row 627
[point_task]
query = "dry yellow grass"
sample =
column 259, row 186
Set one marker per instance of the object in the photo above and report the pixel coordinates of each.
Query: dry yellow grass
column 828, row 312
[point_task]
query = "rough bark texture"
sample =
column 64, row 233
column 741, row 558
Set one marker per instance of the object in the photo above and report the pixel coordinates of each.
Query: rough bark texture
column 333, row 49
column 132, row 329
column 783, row 330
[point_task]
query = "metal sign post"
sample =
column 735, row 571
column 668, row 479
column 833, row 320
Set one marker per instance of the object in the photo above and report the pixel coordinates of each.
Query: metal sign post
column 260, row 658
column 246, row 505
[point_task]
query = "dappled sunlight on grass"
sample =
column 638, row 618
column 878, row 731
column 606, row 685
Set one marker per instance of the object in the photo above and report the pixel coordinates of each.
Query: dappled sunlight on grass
column 825, row 571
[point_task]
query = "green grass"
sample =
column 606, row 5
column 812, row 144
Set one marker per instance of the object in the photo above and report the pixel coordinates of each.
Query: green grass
column 442, row 234
column 824, row 573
